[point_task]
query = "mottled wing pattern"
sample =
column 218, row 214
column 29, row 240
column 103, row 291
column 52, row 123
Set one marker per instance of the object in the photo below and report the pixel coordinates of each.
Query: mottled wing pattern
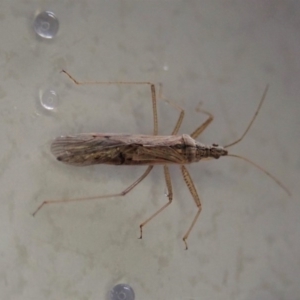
column 87, row 149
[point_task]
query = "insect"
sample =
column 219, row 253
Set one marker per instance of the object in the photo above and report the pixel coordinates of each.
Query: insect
column 123, row 149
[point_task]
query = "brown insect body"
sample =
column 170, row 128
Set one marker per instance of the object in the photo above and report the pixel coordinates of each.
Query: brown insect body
column 124, row 149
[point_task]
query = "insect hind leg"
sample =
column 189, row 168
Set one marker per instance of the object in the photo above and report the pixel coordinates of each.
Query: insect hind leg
column 123, row 193
column 152, row 87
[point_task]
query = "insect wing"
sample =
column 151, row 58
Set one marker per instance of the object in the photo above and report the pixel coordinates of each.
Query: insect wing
column 86, row 149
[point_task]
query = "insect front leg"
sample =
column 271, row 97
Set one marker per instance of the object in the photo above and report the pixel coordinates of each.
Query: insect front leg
column 123, row 193
column 203, row 126
column 198, row 130
column 170, row 196
column 152, row 87
column 190, row 184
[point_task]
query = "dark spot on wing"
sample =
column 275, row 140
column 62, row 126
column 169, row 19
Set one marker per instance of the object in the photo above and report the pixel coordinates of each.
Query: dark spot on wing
column 122, row 158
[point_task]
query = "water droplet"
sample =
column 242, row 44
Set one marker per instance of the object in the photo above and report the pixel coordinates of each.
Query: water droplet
column 49, row 99
column 46, row 25
column 122, row 292
column 165, row 67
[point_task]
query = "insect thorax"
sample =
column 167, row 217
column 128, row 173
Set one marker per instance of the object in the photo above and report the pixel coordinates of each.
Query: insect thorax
column 196, row 151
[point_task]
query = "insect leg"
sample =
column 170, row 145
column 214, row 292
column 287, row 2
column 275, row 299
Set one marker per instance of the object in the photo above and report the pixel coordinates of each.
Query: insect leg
column 170, row 196
column 199, row 130
column 189, row 182
column 181, row 115
column 166, row 168
column 123, row 193
column 152, row 87
column 202, row 127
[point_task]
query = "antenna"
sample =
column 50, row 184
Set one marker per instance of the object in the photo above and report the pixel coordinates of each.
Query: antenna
column 248, row 160
column 254, row 117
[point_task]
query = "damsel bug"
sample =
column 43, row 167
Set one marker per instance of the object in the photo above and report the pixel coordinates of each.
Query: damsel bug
column 123, row 149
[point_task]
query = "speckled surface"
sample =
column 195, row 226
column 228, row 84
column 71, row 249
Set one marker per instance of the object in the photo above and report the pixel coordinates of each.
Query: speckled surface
column 217, row 54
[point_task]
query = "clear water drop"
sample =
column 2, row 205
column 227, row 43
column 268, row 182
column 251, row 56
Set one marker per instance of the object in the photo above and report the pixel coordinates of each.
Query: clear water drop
column 121, row 292
column 46, row 25
column 49, row 99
